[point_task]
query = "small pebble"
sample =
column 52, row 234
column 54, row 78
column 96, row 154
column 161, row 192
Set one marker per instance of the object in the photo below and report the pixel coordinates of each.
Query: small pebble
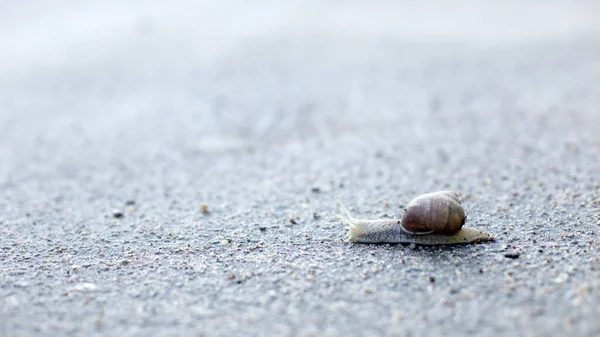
column 512, row 255
column 204, row 208
column 562, row 278
column 315, row 190
column 130, row 202
column 117, row 213
column 293, row 221
column 83, row 288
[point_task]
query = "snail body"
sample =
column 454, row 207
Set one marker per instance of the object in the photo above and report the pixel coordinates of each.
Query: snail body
column 430, row 219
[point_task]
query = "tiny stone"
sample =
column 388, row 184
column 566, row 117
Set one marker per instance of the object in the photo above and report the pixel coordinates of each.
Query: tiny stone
column 293, row 221
column 399, row 316
column 117, row 213
column 83, row 287
column 12, row 301
column 512, row 255
column 431, row 279
column 204, row 208
column 316, row 216
column 130, row 202
column 262, row 228
column 315, row 190
column 562, row 278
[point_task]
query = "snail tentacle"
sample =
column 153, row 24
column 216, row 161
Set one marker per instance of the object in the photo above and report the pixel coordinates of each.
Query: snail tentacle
column 350, row 220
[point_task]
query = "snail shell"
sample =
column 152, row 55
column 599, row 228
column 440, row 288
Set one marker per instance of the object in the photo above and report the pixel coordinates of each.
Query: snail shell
column 437, row 212
column 430, row 219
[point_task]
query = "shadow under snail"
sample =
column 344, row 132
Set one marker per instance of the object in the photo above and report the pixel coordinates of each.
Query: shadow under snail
column 430, row 219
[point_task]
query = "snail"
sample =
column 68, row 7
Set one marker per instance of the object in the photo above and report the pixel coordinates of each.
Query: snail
column 430, row 219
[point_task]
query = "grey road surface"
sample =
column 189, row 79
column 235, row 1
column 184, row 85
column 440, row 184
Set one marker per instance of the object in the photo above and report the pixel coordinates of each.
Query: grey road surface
column 170, row 169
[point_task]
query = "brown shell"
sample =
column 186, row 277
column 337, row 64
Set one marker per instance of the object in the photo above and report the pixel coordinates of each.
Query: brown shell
column 437, row 212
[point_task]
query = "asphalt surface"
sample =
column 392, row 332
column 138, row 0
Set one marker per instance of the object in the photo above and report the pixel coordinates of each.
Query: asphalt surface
column 172, row 170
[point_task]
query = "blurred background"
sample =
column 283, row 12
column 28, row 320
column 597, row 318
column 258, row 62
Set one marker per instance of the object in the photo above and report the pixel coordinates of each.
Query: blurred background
column 89, row 81
column 220, row 74
column 84, row 85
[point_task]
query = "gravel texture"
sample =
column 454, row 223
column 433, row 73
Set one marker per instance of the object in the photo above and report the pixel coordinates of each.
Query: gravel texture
column 165, row 175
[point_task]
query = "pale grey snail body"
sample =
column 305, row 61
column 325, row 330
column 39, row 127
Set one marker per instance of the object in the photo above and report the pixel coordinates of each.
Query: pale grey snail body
column 430, row 219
